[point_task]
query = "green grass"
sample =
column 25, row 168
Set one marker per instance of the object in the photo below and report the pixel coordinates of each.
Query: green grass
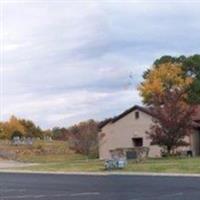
column 56, row 156
column 50, row 158
column 167, row 165
column 67, row 166
column 79, row 163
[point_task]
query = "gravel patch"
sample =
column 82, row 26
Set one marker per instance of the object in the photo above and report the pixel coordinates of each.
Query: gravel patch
column 5, row 164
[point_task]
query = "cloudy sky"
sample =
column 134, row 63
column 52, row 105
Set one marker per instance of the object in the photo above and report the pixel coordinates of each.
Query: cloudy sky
column 67, row 61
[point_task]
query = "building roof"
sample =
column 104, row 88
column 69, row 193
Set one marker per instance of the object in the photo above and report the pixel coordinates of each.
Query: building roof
column 136, row 107
column 126, row 112
column 148, row 111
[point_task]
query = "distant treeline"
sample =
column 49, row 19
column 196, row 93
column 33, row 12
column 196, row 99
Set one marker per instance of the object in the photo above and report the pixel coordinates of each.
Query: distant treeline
column 82, row 137
column 21, row 128
column 27, row 128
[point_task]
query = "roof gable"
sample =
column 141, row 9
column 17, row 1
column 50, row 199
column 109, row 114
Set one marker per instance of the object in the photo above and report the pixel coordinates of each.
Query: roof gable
column 126, row 112
column 136, row 107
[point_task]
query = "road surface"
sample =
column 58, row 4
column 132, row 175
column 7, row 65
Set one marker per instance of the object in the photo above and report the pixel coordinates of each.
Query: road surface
column 83, row 187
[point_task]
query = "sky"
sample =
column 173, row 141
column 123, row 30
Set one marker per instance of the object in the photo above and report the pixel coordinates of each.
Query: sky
column 63, row 62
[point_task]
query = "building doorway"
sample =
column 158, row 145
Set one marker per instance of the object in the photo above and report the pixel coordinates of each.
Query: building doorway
column 137, row 142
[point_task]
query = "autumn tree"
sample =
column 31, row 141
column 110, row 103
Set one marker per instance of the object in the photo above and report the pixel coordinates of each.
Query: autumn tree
column 190, row 67
column 31, row 130
column 164, row 77
column 166, row 90
column 47, row 134
column 2, row 131
column 60, row 133
column 84, row 138
column 19, row 127
column 172, row 120
column 11, row 127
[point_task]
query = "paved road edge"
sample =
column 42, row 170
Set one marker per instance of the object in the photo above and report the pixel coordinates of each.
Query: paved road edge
column 103, row 173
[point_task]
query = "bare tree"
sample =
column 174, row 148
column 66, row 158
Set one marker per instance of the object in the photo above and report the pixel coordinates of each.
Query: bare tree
column 84, row 138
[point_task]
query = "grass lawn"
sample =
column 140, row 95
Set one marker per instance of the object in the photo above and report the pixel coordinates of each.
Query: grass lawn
column 167, row 165
column 56, row 156
column 79, row 163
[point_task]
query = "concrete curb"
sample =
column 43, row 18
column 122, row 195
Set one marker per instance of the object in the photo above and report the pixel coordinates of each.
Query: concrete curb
column 53, row 173
column 157, row 174
column 102, row 173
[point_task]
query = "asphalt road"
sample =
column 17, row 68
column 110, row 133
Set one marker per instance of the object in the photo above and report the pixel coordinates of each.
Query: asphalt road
column 82, row 187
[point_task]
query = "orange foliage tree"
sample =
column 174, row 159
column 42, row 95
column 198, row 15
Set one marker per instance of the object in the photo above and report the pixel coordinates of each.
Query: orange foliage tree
column 166, row 76
column 165, row 91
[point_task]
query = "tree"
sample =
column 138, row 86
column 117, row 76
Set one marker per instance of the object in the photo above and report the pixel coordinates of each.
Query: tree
column 171, row 89
column 84, row 138
column 163, row 77
column 47, row 134
column 2, row 131
column 172, row 120
column 191, row 66
column 16, row 134
column 31, row 130
column 60, row 133
column 191, row 69
column 12, row 126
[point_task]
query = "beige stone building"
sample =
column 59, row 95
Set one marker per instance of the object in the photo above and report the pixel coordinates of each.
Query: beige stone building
column 128, row 130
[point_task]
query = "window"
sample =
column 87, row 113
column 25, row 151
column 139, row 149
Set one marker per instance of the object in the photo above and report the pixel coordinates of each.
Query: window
column 137, row 142
column 137, row 115
column 131, row 155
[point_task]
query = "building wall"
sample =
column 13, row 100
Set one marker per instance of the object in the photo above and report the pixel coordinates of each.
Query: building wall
column 195, row 142
column 120, row 134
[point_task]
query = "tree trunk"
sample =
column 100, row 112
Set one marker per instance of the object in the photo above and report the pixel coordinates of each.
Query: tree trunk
column 169, row 150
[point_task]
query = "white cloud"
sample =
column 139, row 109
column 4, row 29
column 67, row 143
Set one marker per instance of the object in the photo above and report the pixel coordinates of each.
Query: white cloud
column 67, row 108
column 69, row 61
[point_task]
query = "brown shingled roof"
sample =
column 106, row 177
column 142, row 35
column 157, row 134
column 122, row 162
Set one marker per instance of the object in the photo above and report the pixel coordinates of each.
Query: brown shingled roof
column 136, row 107
column 116, row 118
